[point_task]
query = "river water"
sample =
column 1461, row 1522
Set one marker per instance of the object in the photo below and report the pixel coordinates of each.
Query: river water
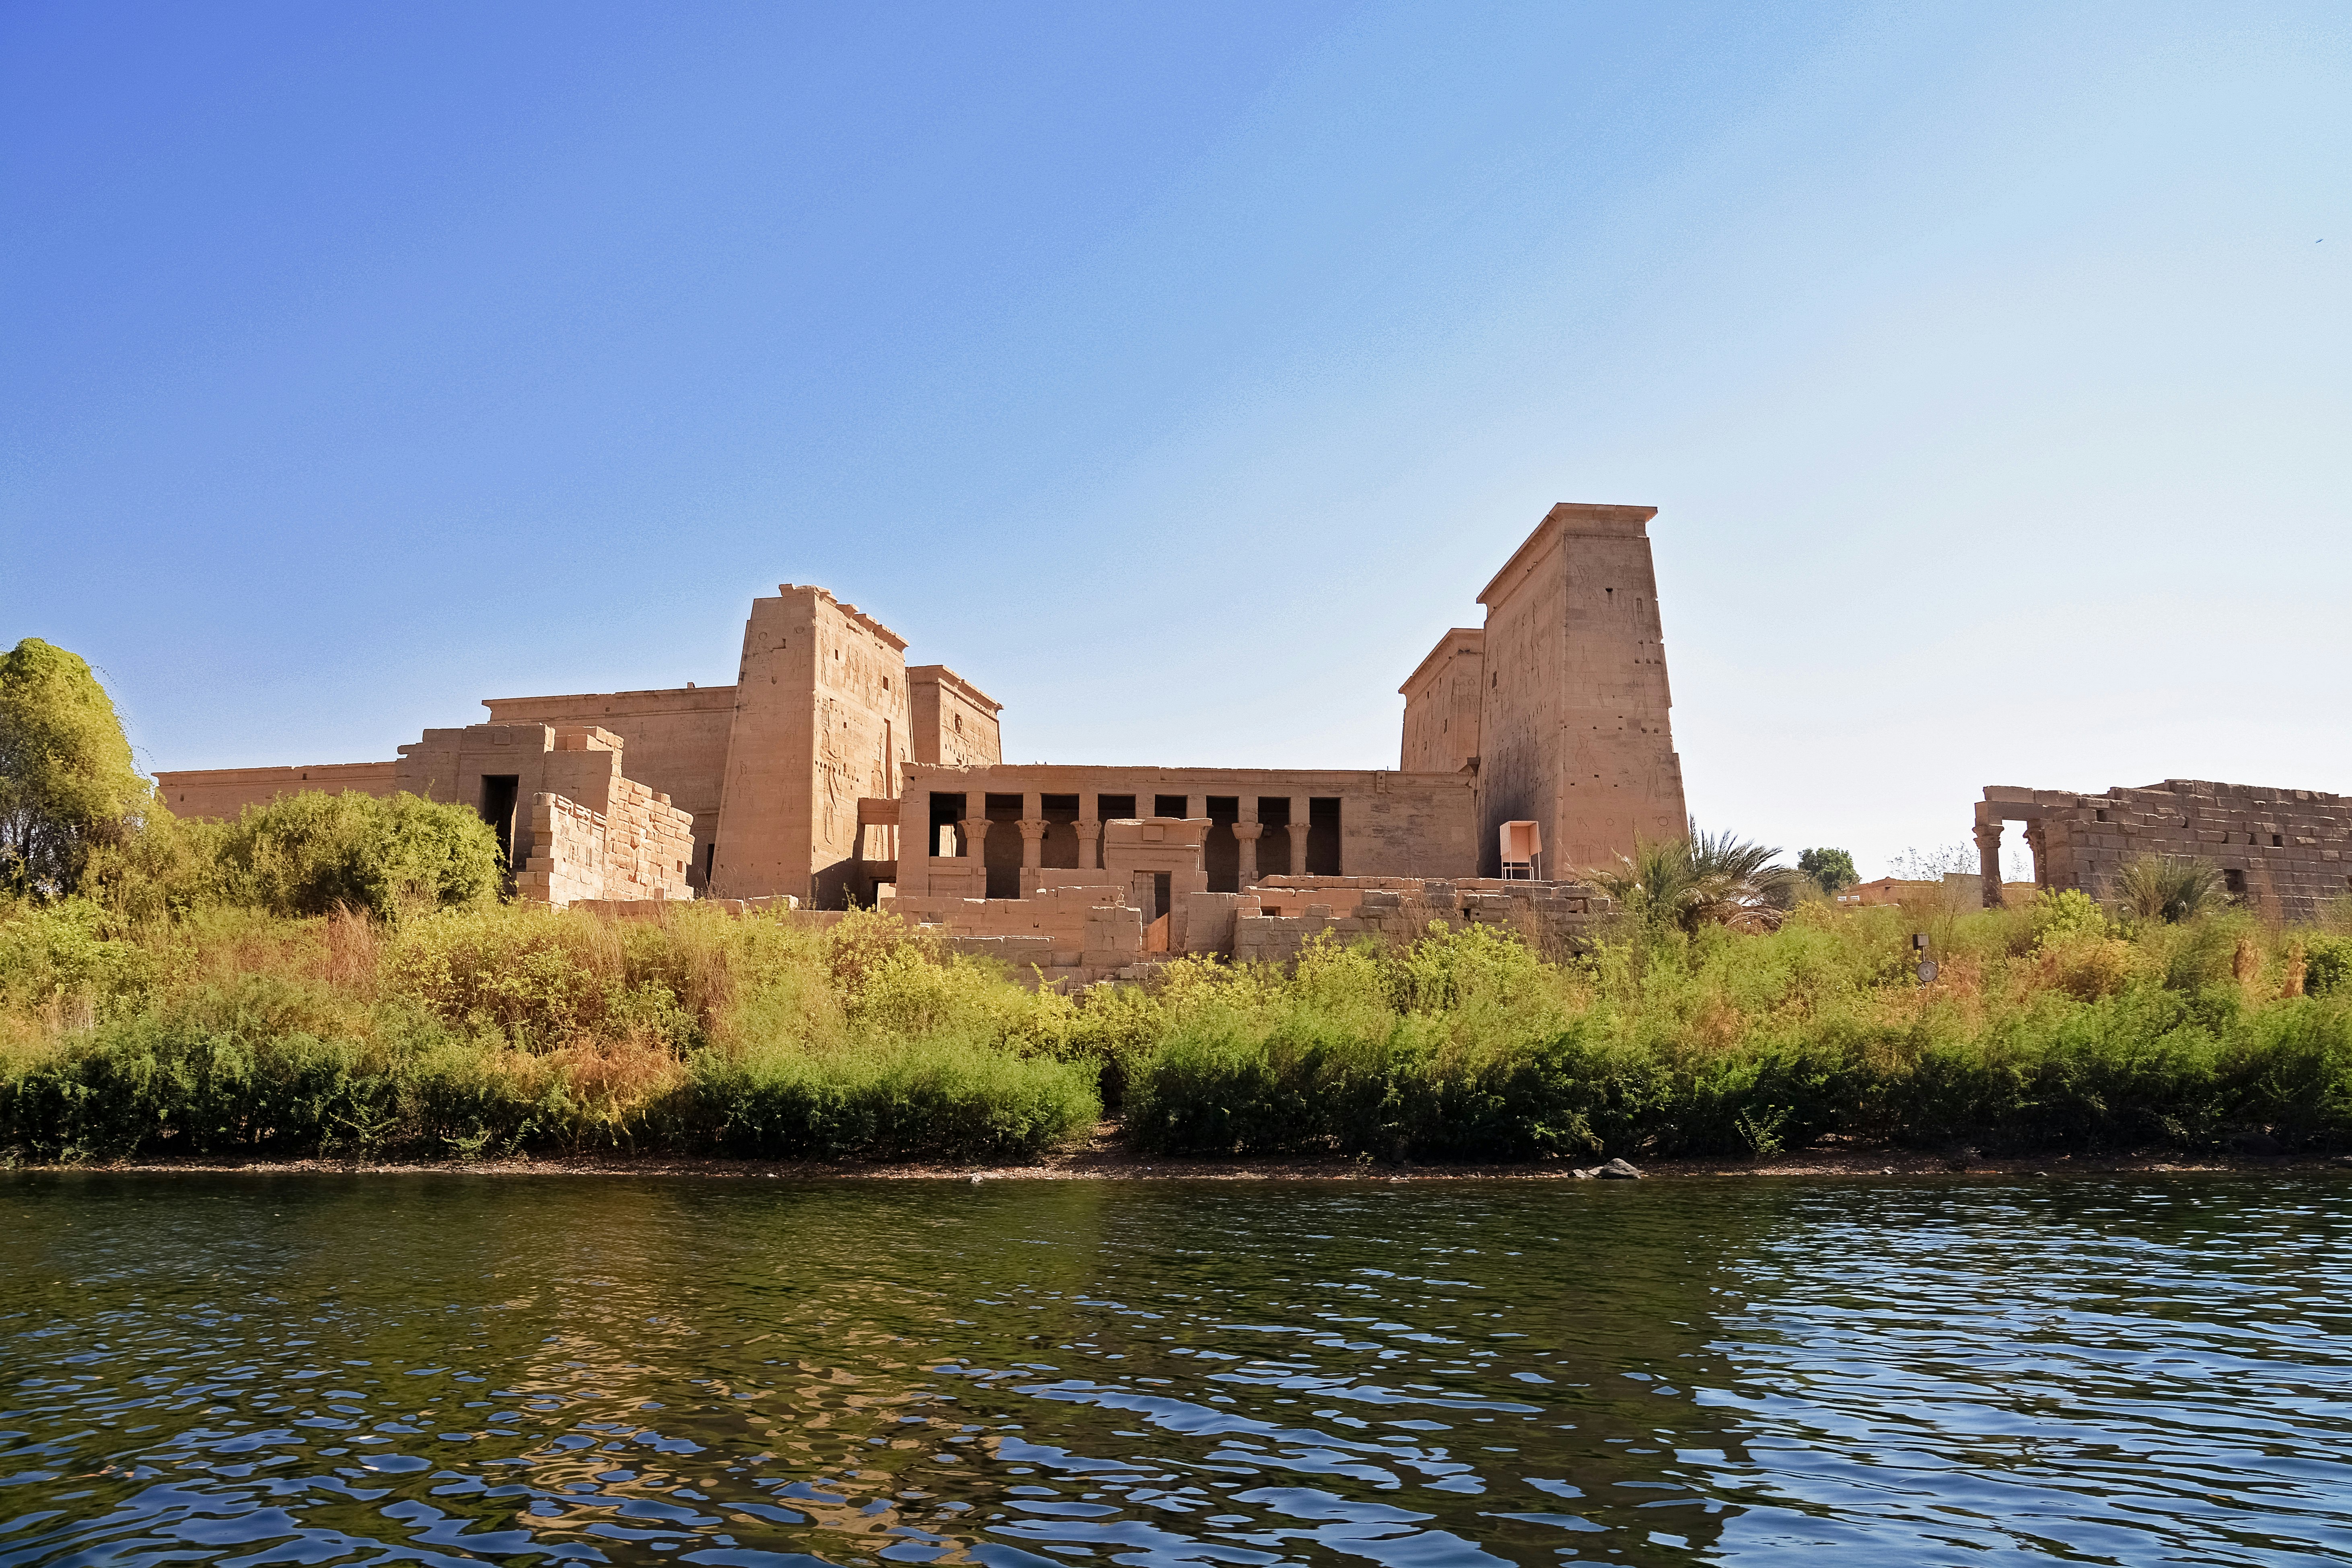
column 752, row 1374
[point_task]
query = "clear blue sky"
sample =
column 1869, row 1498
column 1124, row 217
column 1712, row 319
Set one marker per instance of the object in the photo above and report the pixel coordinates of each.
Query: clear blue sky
column 1180, row 373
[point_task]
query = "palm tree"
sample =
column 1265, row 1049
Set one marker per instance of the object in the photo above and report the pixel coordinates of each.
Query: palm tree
column 1706, row 879
column 2170, row 888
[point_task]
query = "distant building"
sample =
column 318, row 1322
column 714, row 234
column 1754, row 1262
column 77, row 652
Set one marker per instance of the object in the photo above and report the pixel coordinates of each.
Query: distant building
column 1964, row 890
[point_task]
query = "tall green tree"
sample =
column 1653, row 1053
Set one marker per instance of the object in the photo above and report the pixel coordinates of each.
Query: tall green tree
column 68, row 785
column 1832, row 868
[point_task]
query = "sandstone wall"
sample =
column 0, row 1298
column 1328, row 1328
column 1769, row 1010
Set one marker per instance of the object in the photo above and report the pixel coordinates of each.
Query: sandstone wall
column 2287, row 852
column 1276, row 919
column 1075, row 935
column 1574, row 733
column 675, row 739
column 1387, row 824
column 636, row 850
column 821, row 720
column 955, row 722
column 223, row 793
column 1442, row 703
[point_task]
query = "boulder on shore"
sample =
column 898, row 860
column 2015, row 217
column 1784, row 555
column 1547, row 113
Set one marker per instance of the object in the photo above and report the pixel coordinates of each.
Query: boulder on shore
column 1618, row 1170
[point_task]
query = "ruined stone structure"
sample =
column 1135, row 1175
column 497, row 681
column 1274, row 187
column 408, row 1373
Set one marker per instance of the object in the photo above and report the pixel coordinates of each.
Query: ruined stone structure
column 2287, row 852
column 1559, row 706
column 832, row 771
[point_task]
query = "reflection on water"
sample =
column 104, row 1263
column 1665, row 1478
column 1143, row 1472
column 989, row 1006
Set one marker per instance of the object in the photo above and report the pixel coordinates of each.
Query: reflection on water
column 757, row 1374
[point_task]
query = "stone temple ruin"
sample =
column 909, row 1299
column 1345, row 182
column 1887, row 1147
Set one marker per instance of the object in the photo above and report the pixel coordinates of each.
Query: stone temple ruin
column 2284, row 852
column 833, row 771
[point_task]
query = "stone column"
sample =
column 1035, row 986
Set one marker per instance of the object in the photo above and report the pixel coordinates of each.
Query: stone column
column 1032, row 842
column 2037, row 838
column 1088, row 827
column 1245, row 836
column 1988, row 861
column 1298, row 848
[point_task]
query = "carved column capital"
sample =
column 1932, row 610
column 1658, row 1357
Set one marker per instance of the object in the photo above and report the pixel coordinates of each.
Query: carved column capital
column 973, row 830
column 1247, row 832
column 1988, row 862
column 1033, row 827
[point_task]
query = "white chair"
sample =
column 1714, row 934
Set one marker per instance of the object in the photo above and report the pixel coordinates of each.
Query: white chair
column 1522, row 852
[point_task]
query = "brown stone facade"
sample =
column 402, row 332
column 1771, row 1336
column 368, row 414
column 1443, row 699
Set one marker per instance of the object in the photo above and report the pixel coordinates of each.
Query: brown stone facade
column 675, row 740
column 821, row 720
column 223, row 793
column 1573, row 726
column 832, row 771
column 1006, row 822
column 1081, row 932
column 635, row 850
column 2286, row 853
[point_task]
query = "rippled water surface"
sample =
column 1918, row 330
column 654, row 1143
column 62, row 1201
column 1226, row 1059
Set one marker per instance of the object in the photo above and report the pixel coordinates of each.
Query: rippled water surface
column 308, row 1370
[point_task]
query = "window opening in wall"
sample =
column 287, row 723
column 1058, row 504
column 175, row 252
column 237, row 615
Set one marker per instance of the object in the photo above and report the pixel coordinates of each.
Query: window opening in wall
column 2235, row 881
column 947, row 810
column 2102, row 816
column 499, row 791
column 1221, row 853
column 1060, row 848
column 1114, row 807
column 1274, row 839
column 1323, row 836
column 1168, row 805
column 2276, row 843
column 1003, row 850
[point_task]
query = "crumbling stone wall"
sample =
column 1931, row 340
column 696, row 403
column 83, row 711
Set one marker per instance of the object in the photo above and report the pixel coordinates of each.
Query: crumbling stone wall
column 1274, row 920
column 637, row 848
column 1076, row 934
column 675, row 740
column 2287, row 852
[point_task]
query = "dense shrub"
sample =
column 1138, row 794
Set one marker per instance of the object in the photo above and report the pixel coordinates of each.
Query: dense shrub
column 306, row 854
column 489, row 1029
column 2046, row 1033
column 70, row 959
column 2327, row 963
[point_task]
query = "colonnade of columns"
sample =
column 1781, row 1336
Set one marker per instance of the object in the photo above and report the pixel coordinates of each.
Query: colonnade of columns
column 1988, row 836
column 1033, row 825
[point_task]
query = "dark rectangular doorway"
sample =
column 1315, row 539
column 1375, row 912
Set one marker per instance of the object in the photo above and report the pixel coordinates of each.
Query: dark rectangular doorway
column 499, row 791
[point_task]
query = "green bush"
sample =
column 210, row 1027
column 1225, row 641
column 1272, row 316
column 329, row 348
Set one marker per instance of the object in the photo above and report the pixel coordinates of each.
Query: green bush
column 309, row 852
column 71, row 956
column 947, row 1099
column 2327, row 963
column 489, row 1029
